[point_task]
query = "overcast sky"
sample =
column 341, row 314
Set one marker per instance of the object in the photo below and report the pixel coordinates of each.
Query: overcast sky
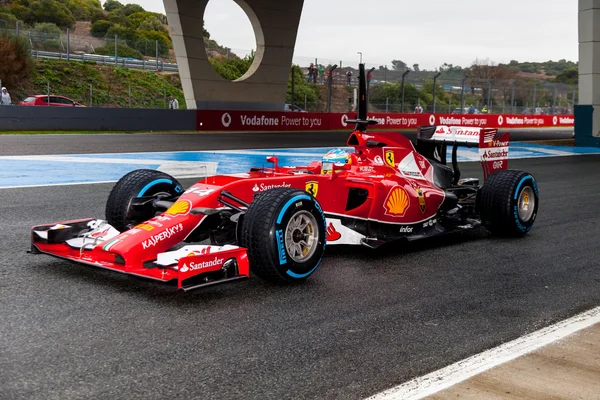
column 428, row 33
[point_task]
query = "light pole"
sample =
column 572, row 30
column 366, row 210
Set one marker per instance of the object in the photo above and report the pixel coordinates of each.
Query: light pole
column 435, row 89
column 512, row 97
column 403, row 77
column 359, row 52
column 462, row 95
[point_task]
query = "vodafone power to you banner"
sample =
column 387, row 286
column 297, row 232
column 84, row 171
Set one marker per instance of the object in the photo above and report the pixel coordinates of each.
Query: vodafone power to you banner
column 299, row 121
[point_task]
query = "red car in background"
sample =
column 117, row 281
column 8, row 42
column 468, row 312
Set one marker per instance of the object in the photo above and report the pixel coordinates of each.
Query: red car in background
column 52, row 101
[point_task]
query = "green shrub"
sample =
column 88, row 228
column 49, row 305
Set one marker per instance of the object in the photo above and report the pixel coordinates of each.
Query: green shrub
column 100, row 28
column 123, row 51
column 51, row 45
column 16, row 65
column 112, row 5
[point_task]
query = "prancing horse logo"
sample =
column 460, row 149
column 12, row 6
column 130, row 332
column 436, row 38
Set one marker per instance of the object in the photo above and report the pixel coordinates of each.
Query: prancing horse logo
column 312, row 187
column 389, row 158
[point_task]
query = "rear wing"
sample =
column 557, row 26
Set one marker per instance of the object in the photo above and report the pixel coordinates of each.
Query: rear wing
column 433, row 141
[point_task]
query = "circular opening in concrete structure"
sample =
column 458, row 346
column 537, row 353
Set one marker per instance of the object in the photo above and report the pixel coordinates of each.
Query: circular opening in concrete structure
column 233, row 42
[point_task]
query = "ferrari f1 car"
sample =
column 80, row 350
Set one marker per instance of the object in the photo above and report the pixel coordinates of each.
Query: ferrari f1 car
column 276, row 221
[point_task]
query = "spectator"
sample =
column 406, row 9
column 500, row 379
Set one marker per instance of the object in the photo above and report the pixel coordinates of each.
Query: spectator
column 471, row 109
column 173, row 103
column 5, row 99
column 418, row 109
column 485, row 110
column 311, row 71
column 349, row 76
column 321, row 73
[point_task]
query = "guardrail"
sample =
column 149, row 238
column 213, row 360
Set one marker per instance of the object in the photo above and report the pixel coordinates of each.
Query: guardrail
column 151, row 65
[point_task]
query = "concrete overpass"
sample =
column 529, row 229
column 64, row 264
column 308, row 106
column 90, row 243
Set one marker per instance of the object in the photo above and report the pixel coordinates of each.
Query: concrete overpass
column 587, row 113
column 264, row 86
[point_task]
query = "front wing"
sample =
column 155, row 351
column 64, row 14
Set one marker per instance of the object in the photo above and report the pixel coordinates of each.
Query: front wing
column 88, row 241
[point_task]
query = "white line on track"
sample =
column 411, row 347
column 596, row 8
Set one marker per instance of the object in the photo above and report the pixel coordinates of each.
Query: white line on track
column 444, row 378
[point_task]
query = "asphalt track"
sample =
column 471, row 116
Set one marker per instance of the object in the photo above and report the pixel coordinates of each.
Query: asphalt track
column 366, row 321
column 116, row 143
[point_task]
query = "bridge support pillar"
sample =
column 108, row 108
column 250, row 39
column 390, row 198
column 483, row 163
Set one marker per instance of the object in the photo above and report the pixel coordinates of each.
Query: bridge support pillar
column 264, row 86
column 587, row 113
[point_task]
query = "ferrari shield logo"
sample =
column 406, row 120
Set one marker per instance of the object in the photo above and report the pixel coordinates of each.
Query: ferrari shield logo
column 422, row 203
column 389, row 158
column 312, row 187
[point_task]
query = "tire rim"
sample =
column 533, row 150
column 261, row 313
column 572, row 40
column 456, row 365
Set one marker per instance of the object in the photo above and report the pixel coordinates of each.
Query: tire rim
column 526, row 204
column 301, row 236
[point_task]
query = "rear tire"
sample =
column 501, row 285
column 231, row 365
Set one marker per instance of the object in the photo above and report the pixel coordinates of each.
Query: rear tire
column 284, row 232
column 138, row 183
column 509, row 203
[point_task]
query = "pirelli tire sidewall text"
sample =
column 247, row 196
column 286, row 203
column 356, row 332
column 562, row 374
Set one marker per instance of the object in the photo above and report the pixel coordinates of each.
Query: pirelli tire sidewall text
column 263, row 234
column 498, row 202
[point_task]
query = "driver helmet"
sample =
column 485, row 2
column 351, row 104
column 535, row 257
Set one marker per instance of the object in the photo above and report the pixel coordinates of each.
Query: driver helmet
column 336, row 158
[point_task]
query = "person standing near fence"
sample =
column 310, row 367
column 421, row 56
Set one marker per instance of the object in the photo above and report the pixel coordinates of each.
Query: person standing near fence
column 349, row 76
column 5, row 99
column 173, row 103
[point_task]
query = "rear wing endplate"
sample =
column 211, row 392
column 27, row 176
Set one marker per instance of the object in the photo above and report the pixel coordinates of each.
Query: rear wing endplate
column 433, row 141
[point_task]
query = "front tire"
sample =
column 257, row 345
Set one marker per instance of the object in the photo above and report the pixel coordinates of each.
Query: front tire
column 284, row 232
column 509, row 203
column 138, row 183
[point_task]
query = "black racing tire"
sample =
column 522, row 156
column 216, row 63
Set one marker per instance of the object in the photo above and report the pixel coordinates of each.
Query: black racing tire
column 272, row 241
column 138, row 183
column 505, row 203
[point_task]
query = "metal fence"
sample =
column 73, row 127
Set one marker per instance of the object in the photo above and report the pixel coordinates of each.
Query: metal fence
column 520, row 95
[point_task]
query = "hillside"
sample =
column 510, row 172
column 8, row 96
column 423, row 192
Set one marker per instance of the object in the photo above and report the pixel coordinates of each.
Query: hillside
column 110, row 85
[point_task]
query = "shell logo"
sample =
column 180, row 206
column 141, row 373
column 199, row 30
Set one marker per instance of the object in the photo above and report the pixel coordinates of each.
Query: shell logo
column 181, row 207
column 397, row 202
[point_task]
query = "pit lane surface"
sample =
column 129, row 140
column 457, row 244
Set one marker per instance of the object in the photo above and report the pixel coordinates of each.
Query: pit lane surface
column 366, row 321
column 115, row 143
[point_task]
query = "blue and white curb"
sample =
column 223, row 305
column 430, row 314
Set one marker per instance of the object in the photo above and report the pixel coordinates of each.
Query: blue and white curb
column 74, row 169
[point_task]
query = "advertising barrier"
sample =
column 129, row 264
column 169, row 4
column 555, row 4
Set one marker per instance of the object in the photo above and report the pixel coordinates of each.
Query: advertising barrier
column 210, row 120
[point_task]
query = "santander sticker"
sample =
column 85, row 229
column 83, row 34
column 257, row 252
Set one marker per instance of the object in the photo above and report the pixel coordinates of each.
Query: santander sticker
column 226, row 120
column 432, row 119
column 500, row 120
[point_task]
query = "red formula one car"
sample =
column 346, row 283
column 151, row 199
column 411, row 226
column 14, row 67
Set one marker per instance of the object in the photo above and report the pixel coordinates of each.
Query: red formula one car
column 277, row 221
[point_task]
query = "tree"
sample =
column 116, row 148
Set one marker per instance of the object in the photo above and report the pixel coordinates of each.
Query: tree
column 483, row 72
column 112, row 5
column 416, row 68
column 100, row 28
column 16, row 66
column 570, row 77
column 398, row 65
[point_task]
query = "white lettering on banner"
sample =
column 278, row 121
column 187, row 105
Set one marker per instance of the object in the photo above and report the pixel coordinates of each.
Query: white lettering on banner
column 259, row 121
column 305, row 122
column 344, row 120
column 449, row 121
column 470, row 121
column 567, row 120
column 400, row 121
column 262, row 187
column 162, row 236
column 217, row 262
